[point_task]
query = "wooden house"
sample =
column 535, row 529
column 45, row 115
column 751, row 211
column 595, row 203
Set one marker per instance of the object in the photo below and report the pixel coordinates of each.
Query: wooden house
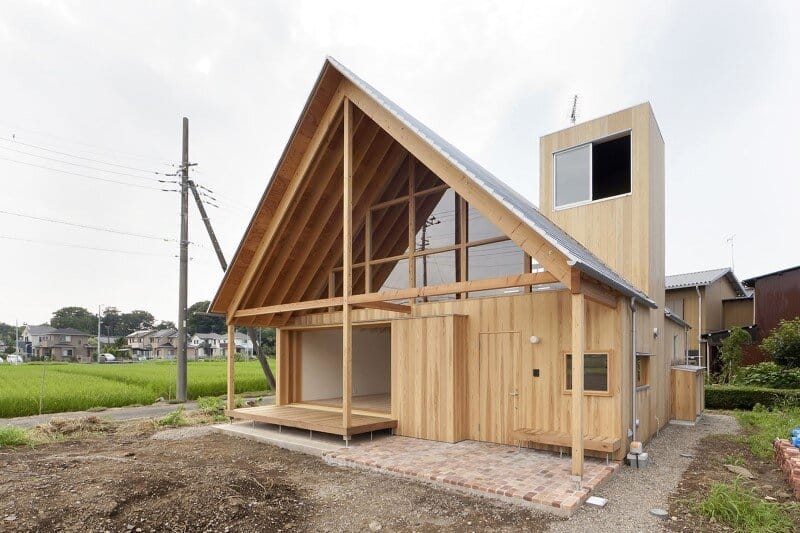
column 709, row 301
column 412, row 289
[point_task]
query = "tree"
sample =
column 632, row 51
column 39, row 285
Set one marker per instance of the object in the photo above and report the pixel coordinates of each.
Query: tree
column 74, row 317
column 111, row 321
column 197, row 322
column 165, row 324
column 134, row 321
column 783, row 343
column 732, row 352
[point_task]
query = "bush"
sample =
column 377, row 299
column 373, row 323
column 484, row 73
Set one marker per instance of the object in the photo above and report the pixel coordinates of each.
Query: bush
column 783, row 343
column 14, row 436
column 174, row 419
column 732, row 352
column 740, row 508
column 769, row 375
column 737, row 397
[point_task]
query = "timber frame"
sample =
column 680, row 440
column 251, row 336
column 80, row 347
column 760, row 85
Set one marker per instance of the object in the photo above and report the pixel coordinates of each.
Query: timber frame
column 311, row 239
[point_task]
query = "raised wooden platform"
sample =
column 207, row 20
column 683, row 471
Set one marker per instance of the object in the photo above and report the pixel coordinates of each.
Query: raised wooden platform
column 322, row 419
column 552, row 438
column 380, row 404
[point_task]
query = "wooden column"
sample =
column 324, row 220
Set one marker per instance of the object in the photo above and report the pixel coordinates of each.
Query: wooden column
column 578, row 347
column 231, row 361
column 412, row 229
column 347, row 272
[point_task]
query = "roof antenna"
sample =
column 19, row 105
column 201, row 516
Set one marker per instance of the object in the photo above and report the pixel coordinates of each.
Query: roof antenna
column 729, row 240
column 574, row 115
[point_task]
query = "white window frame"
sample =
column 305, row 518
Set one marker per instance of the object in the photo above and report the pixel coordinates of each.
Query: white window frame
column 600, row 140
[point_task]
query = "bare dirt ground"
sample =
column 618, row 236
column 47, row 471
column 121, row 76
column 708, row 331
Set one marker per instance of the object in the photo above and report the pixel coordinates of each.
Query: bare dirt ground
column 112, row 476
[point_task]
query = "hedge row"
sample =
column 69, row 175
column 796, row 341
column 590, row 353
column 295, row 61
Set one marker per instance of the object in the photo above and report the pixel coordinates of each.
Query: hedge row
column 737, row 397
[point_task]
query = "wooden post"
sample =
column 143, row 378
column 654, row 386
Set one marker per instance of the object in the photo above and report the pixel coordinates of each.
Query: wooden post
column 231, row 361
column 412, row 228
column 578, row 342
column 347, row 272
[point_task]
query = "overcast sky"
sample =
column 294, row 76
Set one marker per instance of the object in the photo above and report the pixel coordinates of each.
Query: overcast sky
column 110, row 81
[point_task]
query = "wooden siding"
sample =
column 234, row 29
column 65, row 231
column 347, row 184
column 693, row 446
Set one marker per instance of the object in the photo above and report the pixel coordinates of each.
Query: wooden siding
column 428, row 377
column 737, row 312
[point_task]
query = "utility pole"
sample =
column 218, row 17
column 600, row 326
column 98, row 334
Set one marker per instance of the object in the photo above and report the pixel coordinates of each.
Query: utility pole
column 99, row 310
column 180, row 391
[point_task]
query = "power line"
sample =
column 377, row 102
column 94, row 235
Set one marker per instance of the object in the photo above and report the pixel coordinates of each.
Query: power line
column 87, row 166
column 87, row 226
column 67, row 245
column 126, row 155
column 84, row 175
column 38, row 147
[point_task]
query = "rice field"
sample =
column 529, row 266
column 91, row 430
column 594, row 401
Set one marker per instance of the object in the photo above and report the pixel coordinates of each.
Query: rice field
column 65, row 387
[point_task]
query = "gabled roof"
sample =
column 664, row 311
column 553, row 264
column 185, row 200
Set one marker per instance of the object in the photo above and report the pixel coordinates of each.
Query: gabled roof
column 703, row 278
column 331, row 74
column 44, row 329
column 140, row 333
column 750, row 282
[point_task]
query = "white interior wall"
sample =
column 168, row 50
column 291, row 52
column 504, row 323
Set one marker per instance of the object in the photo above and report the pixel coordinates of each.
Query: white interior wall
column 321, row 362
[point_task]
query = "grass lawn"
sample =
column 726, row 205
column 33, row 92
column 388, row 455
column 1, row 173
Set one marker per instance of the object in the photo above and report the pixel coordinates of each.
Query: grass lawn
column 76, row 387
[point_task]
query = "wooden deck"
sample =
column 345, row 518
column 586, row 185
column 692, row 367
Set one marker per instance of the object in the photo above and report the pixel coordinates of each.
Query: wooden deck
column 366, row 404
column 312, row 418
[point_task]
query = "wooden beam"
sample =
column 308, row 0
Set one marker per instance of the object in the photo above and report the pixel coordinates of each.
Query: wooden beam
column 386, row 306
column 575, row 281
column 597, row 293
column 295, row 306
column 578, row 347
column 288, row 198
column 347, row 272
column 368, row 253
column 518, row 280
column 231, row 400
column 412, row 227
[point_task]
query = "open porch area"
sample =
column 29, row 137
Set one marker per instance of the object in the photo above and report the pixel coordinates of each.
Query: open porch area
column 317, row 418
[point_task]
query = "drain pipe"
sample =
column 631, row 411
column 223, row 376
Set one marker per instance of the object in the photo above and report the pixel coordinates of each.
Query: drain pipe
column 700, row 331
column 634, row 420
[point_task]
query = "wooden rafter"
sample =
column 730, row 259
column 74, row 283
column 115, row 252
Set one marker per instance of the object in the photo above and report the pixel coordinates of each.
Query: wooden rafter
column 288, row 198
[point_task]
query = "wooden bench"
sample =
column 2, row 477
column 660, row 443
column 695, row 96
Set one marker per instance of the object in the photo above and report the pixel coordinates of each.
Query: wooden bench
column 564, row 440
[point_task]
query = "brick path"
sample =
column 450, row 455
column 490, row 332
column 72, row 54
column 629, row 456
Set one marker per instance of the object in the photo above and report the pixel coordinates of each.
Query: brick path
column 536, row 478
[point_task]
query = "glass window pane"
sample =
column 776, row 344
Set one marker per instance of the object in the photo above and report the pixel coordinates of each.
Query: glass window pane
column 572, row 175
column 595, row 372
column 436, row 220
column 390, row 276
column 478, row 227
column 390, row 231
column 494, row 260
column 436, row 269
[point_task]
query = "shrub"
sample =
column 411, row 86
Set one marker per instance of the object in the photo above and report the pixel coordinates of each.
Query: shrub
column 740, row 508
column 14, row 436
column 783, row 343
column 211, row 405
column 770, row 375
column 175, row 419
column 737, row 397
column 732, row 352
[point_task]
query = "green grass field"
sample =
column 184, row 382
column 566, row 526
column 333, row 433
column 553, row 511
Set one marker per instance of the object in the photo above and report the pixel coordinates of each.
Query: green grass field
column 77, row 387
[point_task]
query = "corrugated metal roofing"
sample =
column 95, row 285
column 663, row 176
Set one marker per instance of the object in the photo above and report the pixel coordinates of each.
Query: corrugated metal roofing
column 703, row 278
column 578, row 255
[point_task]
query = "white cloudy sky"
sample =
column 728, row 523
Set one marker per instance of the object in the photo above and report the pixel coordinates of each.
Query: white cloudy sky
column 111, row 80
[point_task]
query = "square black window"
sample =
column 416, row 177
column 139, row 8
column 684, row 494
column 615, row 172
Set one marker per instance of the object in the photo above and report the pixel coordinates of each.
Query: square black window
column 611, row 168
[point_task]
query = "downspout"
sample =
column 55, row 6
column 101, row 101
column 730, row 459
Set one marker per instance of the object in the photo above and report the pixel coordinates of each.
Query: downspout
column 634, row 420
column 686, row 344
column 700, row 329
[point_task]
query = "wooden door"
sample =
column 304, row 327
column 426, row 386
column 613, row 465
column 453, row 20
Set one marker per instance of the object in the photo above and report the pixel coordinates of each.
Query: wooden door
column 499, row 368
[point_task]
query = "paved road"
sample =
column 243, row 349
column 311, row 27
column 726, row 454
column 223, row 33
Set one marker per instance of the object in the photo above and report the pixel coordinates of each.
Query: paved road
column 115, row 413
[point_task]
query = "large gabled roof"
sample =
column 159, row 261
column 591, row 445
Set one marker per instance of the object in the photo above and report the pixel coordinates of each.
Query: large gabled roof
column 575, row 254
column 703, row 278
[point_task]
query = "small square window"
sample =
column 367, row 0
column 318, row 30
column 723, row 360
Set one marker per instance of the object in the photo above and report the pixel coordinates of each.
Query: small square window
column 595, row 372
column 573, row 174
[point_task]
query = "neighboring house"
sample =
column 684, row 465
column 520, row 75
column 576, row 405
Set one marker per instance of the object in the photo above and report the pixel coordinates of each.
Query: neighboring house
column 412, row 289
column 164, row 343
column 216, row 345
column 700, row 299
column 66, row 344
column 777, row 297
column 32, row 336
column 140, row 343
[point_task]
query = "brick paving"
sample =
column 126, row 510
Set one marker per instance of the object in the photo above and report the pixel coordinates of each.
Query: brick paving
column 529, row 477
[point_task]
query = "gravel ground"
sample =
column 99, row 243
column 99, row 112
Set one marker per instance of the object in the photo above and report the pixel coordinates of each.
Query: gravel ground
column 632, row 493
